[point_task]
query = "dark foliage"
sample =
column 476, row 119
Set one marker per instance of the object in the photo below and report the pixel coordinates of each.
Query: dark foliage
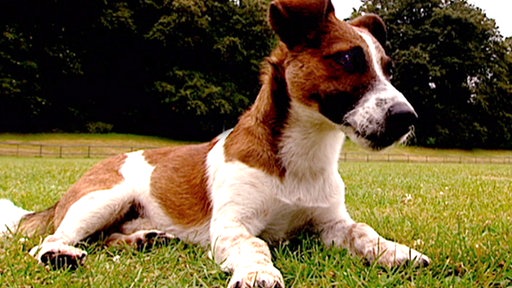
column 180, row 68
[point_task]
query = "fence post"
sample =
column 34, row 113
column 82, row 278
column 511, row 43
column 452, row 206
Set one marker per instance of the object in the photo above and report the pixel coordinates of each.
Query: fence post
column 41, row 150
column 60, row 151
column 89, row 151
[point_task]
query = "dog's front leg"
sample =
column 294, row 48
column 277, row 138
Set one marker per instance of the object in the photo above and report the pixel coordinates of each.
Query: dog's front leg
column 239, row 252
column 338, row 229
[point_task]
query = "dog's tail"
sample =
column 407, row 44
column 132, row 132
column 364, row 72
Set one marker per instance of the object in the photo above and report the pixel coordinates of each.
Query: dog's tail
column 16, row 219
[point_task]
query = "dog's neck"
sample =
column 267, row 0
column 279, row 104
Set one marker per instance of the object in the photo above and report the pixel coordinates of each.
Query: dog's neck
column 281, row 136
column 310, row 144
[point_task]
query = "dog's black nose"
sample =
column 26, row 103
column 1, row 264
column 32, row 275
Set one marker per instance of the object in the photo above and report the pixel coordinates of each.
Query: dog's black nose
column 399, row 119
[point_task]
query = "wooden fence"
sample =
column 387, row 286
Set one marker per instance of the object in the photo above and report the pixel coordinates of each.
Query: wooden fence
column 413, row 158
column 63, row 151
column 102, row 151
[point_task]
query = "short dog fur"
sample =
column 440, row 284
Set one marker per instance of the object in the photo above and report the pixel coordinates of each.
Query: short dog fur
column 274, row 174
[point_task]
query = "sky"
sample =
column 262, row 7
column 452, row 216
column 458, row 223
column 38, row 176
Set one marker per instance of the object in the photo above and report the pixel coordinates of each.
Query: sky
column 495, row 9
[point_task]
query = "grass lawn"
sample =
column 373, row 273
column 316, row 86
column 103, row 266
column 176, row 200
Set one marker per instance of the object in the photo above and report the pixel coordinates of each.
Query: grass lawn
column 457, row 214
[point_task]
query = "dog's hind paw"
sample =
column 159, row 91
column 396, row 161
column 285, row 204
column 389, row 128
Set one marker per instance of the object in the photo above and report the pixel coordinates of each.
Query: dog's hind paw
column 154, row 238
column 143, row 239
column 58, row 260
column 59, row 256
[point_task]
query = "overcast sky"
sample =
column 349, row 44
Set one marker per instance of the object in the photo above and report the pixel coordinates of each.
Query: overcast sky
column 498, row 10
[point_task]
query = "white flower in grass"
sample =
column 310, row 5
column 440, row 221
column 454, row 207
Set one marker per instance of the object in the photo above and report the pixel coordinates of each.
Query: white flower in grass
column 418, row 243
column 408, row 198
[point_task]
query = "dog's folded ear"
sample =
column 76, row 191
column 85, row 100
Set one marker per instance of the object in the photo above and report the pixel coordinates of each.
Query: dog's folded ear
column 296, row 21
column 374, row 24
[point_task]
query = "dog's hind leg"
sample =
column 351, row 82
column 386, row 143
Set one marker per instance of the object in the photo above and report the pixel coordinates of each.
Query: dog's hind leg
column 90, row 214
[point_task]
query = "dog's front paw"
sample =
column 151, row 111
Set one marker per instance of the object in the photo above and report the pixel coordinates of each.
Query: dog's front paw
column 59, row 256
column 394, row 254
column 263, row 277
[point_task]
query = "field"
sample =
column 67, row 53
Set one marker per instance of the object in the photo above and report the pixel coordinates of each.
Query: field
column 457, row 214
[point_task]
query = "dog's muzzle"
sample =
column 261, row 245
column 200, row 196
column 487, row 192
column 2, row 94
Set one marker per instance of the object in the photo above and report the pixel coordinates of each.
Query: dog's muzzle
column 398, row 122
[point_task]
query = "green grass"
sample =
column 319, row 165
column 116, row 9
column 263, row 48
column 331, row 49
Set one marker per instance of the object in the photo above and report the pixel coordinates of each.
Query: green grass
column 459, row 215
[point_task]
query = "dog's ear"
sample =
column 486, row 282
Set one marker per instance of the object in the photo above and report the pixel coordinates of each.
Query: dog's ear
column 296, row 21
column 374, row 24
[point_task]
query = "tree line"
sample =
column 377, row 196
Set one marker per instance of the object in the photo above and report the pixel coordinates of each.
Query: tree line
column 180, row 68
column 188, row 68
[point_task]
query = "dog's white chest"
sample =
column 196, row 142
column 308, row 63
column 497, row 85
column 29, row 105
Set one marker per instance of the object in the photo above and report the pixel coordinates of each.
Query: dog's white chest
column 285, row 221
column 269, row 206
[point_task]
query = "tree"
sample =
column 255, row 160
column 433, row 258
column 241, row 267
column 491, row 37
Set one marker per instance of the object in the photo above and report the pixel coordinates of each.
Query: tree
column 35, row 55
column 214, row 73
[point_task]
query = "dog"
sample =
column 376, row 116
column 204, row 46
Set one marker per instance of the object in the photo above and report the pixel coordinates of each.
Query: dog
column 274, row 174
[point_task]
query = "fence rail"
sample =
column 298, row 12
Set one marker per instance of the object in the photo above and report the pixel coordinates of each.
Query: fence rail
column 413, row 158
column 101, row 151
column 63, row 151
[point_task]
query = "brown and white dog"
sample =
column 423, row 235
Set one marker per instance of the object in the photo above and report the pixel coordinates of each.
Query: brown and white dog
column 272, row 175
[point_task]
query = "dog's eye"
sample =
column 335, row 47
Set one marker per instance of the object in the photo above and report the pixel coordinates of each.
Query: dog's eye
column 352, row 61
column 388, row 67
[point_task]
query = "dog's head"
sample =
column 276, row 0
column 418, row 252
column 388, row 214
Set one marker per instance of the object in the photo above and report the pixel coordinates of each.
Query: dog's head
column 340, row 70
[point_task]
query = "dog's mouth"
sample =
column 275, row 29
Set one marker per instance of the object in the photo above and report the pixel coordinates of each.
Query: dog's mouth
column 385, row 140
column 379, row 140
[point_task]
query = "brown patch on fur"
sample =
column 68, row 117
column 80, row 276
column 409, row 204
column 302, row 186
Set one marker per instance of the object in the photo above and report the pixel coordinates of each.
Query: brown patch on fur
column 37, row 223
column 315, row 76
column 255, row 139
column 296, row 21
column 102, row 176
column 179, row 182
column 374, row 24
